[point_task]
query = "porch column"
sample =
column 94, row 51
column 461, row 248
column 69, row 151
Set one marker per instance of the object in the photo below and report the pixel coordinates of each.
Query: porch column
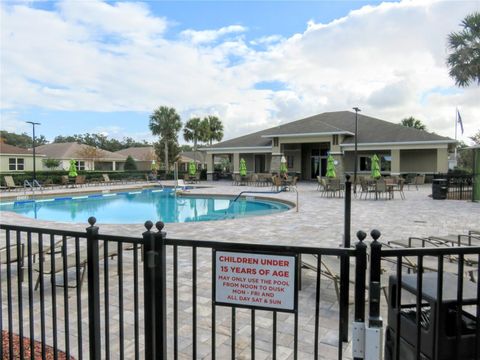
column 442, row 160
column 114, row 166
column 395, row 162
column 209, row 162
column 236, row 163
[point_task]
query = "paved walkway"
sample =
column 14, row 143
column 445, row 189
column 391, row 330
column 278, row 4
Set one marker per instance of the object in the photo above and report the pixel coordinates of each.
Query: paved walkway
column 318, row 223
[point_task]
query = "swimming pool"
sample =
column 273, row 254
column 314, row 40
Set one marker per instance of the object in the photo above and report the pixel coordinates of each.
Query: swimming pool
column 136, row 207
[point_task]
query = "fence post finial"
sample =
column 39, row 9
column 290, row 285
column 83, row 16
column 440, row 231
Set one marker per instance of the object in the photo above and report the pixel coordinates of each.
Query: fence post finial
column 92, row 220
column 148, row 225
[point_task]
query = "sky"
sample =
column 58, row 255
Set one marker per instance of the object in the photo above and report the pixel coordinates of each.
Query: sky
column 103, row 67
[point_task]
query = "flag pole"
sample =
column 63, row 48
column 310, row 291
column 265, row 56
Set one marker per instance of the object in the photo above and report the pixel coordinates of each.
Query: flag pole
column 456, row 124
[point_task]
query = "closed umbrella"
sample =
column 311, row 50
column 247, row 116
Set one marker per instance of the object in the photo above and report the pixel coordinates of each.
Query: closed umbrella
column 283, row 166
column 331, row 167
column 153, row 167
column 376, row 167
column 72, row 170
column 192, row 168
column 243, row 167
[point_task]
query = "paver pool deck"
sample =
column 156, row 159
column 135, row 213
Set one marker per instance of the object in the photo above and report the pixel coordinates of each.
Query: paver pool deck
column 318, row 222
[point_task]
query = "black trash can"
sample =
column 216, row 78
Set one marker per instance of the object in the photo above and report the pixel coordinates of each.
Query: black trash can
column 438, row 320
column 439, row 189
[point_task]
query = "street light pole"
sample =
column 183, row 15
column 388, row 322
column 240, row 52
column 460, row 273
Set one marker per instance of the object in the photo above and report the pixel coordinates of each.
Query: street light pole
column 357, row 110
column 33, row 143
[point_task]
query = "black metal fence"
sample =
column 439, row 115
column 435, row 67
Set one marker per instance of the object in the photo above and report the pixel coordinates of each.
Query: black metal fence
column 459, row 186
column 153, row 297
column 163, row 309
column 432, row 299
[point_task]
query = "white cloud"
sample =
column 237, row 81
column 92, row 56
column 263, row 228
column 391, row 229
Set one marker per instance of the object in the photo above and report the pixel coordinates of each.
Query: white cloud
column 387, row 59
column 206, row 36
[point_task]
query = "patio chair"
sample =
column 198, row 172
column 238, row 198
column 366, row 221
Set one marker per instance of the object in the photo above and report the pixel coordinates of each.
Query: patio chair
column 333, row 186
column 293, row 185
column 10, row 184
column 80, row 180
column 64, row 180
column 188, row 179
column 381, row 189
column 399, row 188
column 417, row 180
column 365, row 189
column 320, row 184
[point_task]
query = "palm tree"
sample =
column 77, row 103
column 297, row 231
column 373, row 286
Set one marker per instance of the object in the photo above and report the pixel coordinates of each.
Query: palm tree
column 194, row 131
column 167, row 123
column 464, row 61
column 213, row 129
column 413, row 123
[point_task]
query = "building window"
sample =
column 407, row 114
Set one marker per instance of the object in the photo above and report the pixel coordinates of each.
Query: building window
column 366, row 163
column 16, row 164
column 290, row 161
column 275, row 141
column 386, row 163
column 80, row 165
column 335, row 140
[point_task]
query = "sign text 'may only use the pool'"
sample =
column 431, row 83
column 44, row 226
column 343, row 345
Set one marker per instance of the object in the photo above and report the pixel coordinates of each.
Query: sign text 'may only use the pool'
column 255, row 279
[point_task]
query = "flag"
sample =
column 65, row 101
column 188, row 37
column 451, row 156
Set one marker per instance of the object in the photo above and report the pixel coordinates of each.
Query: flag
column 459, row 120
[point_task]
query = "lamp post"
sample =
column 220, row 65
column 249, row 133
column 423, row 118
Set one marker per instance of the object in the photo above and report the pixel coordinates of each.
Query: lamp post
column 33, row 143
column 357, row 110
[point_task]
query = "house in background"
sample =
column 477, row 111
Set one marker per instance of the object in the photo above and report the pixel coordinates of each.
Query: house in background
column 15, row 159
column 306, row 144
column 143, row 156
column 186, row 157
column 87, row 157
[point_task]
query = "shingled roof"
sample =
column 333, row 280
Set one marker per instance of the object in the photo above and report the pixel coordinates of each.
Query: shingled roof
column 144, row 153
column 73, row 150
column 370, row 131
column 7, row 149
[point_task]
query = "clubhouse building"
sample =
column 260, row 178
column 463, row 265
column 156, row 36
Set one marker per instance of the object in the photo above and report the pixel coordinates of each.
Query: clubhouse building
column 306, row 143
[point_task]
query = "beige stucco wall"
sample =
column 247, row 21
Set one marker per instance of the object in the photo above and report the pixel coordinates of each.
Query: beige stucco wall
column 419, row 161
column 28, row 162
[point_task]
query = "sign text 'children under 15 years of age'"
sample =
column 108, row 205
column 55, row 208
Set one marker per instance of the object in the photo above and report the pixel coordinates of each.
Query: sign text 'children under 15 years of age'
column 258, row 280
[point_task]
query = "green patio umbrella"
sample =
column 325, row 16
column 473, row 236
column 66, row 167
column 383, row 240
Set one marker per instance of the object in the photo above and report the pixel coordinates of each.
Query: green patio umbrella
column 243, row 167
column 153, row 167
column 192, row 168
column 330, row 167
column 376, row 167
column 72, row 170
column 283, row 166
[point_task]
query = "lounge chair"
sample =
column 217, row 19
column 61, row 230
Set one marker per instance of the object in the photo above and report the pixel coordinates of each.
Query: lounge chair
column 13, row 254
column 10, row 184
column 65, row 181
column 80, row 180
column 71, row 262
column 330, row 268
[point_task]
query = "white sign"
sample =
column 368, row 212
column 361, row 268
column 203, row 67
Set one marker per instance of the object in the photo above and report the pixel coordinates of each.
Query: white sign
column 259, row 280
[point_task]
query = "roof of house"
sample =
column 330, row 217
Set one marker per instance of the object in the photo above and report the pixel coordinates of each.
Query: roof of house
column 144, row 153
column 14, row 150
column 255, row 139
column 73, row 150
column 370, row 130
column 191, row 156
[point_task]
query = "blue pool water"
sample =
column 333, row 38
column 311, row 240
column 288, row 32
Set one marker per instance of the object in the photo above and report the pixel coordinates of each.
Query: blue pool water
column 138, row 206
